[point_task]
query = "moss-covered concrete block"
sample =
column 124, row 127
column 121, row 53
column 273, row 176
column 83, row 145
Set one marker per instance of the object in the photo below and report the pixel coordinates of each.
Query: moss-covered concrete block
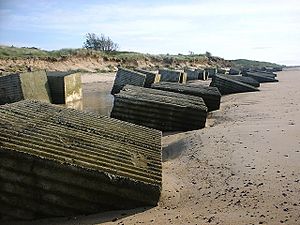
column 63, row 162
column 167, row 75
column 20, row 86
column 211, row 71
column 65, row 87
column 150, row 76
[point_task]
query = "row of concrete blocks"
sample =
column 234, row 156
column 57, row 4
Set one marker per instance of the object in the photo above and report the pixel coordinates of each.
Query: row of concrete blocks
column 228, row 84
column 143, row 78
column 55, row 87
column 58, row 162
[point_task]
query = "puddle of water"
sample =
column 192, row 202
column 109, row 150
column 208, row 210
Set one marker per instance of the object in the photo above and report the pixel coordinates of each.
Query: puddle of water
column 96, row 98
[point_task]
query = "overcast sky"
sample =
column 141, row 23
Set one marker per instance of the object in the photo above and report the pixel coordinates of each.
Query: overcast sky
column 266, row 30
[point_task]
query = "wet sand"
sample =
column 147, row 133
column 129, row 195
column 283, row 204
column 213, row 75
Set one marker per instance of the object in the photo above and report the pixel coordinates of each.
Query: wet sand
column 243, row 168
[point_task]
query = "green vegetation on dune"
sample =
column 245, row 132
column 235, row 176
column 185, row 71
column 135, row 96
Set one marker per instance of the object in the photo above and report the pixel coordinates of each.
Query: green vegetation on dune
column 124, row 58
column 12, row 52
column 27, row 53
column 241, row 63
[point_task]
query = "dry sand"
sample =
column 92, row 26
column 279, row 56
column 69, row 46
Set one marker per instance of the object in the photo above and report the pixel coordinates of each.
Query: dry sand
column 244, row 168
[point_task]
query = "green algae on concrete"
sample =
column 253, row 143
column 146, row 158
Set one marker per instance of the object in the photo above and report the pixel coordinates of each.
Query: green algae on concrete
column 65, row 86
column 167, row 75
column 63, row 162
column 151, row 76
column 20, row 86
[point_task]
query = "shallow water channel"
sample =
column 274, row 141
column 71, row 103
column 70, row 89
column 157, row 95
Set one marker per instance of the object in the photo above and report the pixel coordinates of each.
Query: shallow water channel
column 96, row 95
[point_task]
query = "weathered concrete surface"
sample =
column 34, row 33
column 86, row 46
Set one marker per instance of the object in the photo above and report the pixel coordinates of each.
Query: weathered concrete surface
column 65, row 87
column 10, row 89
column 167, row 75
column 229, row 86
column 243, row 79
column 192, row 74
column 203, row 75
column 211, row 71
column 30, row 85
column 210, row 95
column 62, row 162
column 151, row 76
column 234, row 71
column 261, row 78
column 126, row 76
column 265, row 73
column 158, row 109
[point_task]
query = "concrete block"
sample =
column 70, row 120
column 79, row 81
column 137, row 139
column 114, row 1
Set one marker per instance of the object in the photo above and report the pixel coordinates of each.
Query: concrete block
column 261, row 78
column 126, row 76
column 150, row 76
column 160, row 110
column 203, row 75
column 192, row 74
column 20, row 86
column 65, row 87
column 234, row 71
column 56, row 161
column 229, row 86
column 243, row 79
column 210, row 95
column 167, row 75
column 211, row 71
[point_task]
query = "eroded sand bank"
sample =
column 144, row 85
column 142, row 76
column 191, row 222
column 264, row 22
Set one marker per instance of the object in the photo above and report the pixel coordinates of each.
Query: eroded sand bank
column 244, row 168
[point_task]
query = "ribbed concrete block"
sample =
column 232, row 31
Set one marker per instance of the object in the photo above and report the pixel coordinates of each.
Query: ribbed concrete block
column 265, row 73
column 126, row 76
column 167, row 75
column 65, row 87
column 234, row 71
column 229, row 86
column 210, row 95
column 192, row 74
column 203, row 75
column 211, row 71
column 19, row 86
column 243, row 79
column 261, row 78
column 151, row 77
column 63, row 162
column 158, row 109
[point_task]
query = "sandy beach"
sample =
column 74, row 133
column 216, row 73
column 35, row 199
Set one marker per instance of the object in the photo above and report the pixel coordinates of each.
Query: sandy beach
column 243, row 168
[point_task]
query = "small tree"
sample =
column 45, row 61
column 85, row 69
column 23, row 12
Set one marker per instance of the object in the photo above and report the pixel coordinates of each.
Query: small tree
column 101, row 44
column 208, row 54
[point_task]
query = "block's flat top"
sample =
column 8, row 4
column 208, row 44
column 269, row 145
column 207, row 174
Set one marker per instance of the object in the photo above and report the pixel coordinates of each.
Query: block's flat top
column 81, row 139
column 163, row 97
column 195, row 88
